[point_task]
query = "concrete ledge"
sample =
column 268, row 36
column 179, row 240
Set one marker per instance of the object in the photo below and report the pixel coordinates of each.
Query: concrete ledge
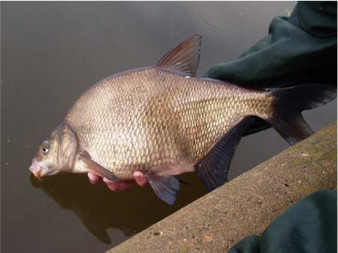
column 247, row 204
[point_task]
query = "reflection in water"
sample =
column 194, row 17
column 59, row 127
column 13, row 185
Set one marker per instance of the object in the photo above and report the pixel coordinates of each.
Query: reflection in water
column 100, row 209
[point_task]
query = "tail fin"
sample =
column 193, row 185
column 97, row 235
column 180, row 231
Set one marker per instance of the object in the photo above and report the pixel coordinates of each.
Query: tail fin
column 290, row 102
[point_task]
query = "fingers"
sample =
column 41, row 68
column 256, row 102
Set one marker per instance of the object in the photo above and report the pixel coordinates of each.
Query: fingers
column 139, row 178
column 94, row 179
column 117, row 186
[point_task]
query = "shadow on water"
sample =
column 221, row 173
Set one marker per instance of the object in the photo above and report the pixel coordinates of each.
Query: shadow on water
column 100, row 209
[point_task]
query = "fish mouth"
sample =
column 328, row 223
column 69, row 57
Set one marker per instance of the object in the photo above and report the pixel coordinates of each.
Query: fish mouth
column 40, row 171
column 36, row 169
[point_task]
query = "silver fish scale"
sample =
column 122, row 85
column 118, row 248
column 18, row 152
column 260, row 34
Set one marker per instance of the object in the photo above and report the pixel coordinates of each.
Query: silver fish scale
column 153, row 120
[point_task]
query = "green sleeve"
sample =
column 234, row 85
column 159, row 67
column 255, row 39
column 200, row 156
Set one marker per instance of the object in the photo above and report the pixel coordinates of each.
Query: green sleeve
column 309, row 225
column 299, row 49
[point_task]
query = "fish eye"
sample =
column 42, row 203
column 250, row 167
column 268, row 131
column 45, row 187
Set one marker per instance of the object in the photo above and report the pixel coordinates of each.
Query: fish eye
column 45, row 150
column 45, row 147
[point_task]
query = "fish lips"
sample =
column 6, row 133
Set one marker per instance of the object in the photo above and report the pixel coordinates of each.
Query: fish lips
column 39, row 171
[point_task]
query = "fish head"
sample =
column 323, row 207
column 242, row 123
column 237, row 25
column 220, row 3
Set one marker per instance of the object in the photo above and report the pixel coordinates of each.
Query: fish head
column 56, row 153
column 44, row 162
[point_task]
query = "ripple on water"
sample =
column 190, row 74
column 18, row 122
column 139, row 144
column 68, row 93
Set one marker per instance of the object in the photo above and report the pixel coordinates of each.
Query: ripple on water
column 226, row 19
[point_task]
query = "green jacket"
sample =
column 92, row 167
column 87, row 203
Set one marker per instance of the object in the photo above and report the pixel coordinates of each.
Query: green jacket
column 299, row 49
column 309, row 226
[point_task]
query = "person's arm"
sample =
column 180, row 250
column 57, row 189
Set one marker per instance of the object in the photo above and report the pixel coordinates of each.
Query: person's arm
column 299, row 49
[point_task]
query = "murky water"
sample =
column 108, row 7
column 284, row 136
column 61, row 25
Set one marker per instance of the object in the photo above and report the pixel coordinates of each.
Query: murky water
column 51, row 52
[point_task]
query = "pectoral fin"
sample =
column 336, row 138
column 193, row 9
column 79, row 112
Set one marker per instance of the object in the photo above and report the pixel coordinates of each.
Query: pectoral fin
column 97, row 168
column 166, row 188
column 213, row 168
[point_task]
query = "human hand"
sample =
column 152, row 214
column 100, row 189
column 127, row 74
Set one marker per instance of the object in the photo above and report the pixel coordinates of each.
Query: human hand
column 139, row 178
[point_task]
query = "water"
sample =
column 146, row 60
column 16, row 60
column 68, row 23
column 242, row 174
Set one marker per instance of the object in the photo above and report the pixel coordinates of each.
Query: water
column 51, row 52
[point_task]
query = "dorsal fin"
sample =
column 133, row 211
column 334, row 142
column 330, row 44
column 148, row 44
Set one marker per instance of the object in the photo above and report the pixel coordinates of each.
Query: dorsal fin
column 183, row 58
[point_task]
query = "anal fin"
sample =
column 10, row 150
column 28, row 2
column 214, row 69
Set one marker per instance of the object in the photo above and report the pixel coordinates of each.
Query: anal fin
column 166, row 188
column 213, row 168
column 97, row 168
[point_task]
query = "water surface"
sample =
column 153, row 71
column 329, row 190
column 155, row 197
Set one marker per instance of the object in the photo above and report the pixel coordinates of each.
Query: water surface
column 51, row 52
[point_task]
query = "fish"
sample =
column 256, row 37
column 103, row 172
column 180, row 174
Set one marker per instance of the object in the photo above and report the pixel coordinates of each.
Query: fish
column 162, row 120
